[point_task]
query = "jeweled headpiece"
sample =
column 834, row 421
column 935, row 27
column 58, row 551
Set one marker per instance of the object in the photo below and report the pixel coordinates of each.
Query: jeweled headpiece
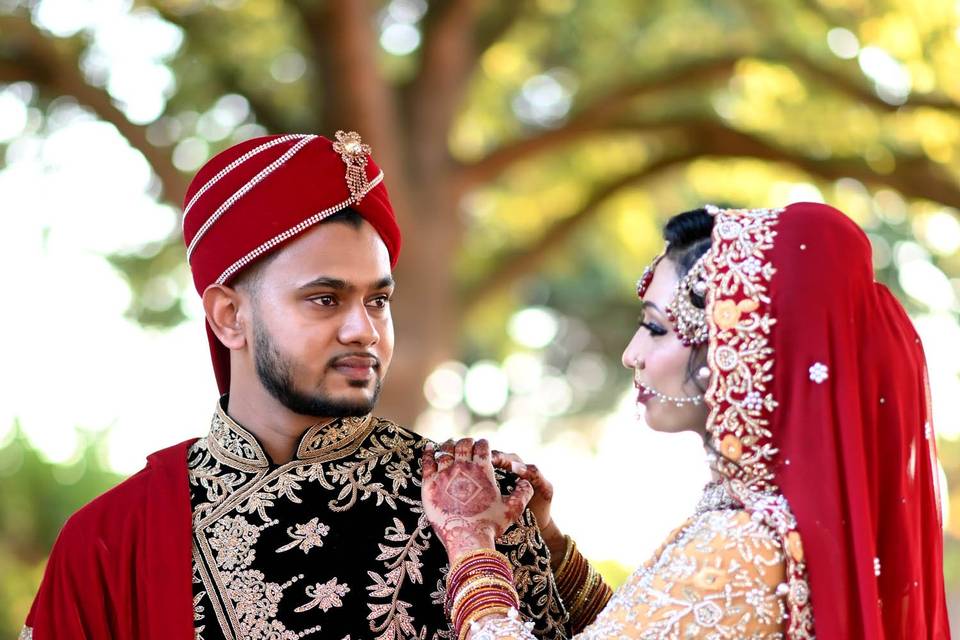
column 689, row 320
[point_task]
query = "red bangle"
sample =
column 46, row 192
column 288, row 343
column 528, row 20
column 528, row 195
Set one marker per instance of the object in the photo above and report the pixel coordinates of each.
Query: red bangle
column 491, row 600
column 503, row 602
column 453, row 590
column 482, row 595
column 474, row 564
column 473, row 567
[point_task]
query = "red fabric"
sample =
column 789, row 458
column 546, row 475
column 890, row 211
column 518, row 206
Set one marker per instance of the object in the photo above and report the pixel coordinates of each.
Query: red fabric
column 311, row 181
column 861, row 477
column 121, row 565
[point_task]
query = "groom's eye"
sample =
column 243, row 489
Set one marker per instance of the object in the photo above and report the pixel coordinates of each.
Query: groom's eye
column 324, row 301
column 380, row 302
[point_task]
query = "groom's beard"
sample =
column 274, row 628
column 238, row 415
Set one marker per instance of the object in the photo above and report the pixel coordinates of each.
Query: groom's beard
column 276, row 372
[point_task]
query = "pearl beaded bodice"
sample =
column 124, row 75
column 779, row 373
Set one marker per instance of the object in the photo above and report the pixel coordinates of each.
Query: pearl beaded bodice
column 720, row 575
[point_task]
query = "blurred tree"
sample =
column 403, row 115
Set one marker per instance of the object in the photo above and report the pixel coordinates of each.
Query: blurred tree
column 506, row 127
column 37, row 498
column 532, row 149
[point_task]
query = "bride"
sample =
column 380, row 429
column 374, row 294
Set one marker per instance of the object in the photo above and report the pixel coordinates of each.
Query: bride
column 764, row 331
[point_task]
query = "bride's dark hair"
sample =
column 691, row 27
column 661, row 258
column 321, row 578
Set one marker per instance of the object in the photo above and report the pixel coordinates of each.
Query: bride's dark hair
column 689, row 236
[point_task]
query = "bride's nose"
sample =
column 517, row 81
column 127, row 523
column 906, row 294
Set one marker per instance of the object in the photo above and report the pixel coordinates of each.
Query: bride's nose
column 632, row 358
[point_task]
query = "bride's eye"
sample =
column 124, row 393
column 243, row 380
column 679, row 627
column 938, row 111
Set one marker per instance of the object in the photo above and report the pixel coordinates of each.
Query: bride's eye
column 655, row 330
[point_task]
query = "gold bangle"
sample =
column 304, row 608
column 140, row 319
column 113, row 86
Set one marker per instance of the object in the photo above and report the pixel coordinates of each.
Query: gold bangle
column 588, row 585
column 594, row 604
column 575, row 574
column 488, row 553
column 569, row 547
column 570, row 574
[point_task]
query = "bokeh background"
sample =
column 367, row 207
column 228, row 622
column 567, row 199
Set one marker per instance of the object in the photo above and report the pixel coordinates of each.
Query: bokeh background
column 533, row 149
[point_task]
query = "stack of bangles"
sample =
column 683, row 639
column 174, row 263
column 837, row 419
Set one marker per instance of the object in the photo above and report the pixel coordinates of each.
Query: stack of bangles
column 480, row 584
column 582, row 589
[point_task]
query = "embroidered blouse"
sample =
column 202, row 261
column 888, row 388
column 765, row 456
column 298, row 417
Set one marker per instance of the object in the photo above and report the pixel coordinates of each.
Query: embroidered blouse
column 720, row 575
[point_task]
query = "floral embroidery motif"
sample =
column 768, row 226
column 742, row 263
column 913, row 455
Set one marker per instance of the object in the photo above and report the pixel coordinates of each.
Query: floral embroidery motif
column 26, row 633
column 818, row 372
column 307, row 536
column 326, row 596
column 402, row 562
column 739, row 345
column 233, row 540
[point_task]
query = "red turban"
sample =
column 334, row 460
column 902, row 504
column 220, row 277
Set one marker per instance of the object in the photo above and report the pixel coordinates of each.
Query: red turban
column 247, row 201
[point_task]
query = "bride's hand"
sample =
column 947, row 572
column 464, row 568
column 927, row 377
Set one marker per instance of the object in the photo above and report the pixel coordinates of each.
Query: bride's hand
column 542, row 488
column 462, row 500
column 540, row 502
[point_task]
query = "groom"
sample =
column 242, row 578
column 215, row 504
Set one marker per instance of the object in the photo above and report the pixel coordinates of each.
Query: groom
column 299, row 513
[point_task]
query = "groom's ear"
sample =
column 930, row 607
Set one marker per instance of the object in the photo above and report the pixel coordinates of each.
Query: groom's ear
column 222, row 306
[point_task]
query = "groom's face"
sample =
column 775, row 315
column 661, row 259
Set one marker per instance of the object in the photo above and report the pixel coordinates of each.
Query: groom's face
column 321, row 331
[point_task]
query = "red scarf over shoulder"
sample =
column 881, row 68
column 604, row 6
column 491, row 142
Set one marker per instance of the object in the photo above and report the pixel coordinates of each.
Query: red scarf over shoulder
column 121, row 565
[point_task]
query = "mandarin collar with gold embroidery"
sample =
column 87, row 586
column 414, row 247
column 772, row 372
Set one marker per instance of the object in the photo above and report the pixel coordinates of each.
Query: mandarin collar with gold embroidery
column 234, row 445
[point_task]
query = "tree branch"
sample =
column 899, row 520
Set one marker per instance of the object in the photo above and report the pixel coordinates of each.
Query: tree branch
column 529, row 259
column 54, row 65
column 848, row 85
column 598, row 116
column 357, row 95
column 447, row 50
column 16, row 71
column 914, row 177
column 493, row 30
column 595, row 117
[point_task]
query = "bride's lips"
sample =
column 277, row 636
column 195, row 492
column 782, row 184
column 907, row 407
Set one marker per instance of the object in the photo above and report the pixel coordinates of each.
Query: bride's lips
column 356, row 367
column 642, row 394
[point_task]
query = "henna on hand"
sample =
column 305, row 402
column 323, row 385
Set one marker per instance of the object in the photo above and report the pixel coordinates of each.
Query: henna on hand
column 446, row 455
column 461, row 497
column 465, row 491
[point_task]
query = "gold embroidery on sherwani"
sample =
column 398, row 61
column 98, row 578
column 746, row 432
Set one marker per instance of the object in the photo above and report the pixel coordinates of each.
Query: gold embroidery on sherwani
column 354, row 464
